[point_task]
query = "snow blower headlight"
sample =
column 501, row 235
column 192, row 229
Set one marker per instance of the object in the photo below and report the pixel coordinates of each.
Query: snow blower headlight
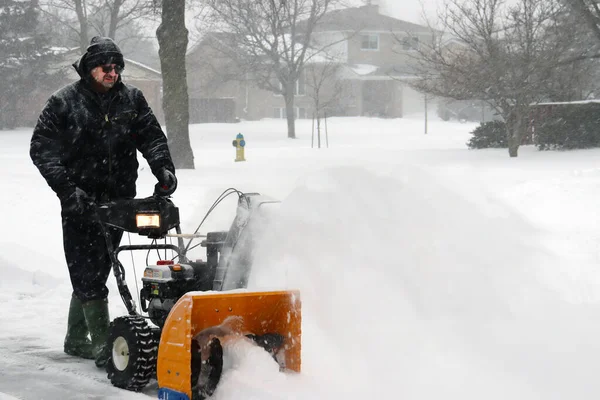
column 147, row 220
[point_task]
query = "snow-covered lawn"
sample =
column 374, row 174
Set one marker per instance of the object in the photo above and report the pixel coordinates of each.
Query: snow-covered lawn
column 427, row 270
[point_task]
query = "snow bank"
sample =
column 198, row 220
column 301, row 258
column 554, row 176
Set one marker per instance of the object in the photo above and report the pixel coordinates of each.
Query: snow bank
column 405, row 283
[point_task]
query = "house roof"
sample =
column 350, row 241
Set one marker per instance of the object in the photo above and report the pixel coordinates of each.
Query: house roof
column 374, row 72
column 365, row 18
column 554, row 103
column 133, row 70
column 214, row 38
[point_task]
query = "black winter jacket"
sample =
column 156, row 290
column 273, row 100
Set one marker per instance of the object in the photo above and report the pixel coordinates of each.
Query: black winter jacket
column 88, row 140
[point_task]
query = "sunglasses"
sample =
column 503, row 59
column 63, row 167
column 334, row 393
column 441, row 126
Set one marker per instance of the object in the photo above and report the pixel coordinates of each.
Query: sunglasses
column 107, row 68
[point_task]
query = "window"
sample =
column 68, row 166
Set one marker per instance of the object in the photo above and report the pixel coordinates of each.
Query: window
column 410, row 43
column 369, row 42
column 299, row 113
column 300, row 89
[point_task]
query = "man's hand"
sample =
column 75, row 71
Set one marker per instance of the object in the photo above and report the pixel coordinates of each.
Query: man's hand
column 167, row 183
column 77, row 203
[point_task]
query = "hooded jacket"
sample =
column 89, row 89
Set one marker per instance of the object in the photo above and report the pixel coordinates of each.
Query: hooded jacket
column 89, row 140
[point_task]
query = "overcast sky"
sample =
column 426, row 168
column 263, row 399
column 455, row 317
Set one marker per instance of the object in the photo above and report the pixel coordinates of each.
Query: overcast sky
column 413, row 10
column 407, row 10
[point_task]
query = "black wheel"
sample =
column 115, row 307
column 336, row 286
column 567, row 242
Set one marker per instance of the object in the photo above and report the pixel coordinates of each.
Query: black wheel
column 206, row 375
column 133, row 351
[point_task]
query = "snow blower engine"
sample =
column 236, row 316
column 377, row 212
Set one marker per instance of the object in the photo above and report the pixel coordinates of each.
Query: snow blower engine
column 191, row 304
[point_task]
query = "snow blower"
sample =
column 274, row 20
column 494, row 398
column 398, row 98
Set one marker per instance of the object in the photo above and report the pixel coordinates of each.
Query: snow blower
column 193, row 306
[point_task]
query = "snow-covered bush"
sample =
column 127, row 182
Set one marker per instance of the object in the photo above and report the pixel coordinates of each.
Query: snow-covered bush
column 490, row 134
column 569, row 126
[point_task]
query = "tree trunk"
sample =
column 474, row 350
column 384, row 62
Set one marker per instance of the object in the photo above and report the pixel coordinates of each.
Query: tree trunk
column 318, row 119
column 114, row 19
column 289, row 111
column 318, row 130
column 173, row 40
column 516, row 125
column 514, row 132
column 83, row 25
column 513, row 146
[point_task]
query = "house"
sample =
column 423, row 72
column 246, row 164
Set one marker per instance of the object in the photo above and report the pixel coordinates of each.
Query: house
column 368, row 59
column 145, row 78
column 216, row 88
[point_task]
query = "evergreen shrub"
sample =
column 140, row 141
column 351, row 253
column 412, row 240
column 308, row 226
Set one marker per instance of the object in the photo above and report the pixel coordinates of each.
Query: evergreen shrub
column 490, row 134
column 569, row 126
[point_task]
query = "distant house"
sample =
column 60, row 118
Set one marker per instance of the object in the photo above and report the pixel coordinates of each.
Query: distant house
column 373, row 56
column 216, row 88
column 145, row 78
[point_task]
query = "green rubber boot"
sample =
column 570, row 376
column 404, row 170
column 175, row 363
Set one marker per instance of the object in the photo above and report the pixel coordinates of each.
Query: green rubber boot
column 77, row 342
column 96, row 316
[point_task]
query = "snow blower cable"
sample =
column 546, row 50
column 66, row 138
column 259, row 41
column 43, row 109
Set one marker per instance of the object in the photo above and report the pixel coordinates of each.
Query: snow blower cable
column 133, row 267
column 210, row 210
column 226, row 193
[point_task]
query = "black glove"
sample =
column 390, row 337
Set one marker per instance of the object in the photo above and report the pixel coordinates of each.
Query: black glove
column 167, row 183
column 76, row 202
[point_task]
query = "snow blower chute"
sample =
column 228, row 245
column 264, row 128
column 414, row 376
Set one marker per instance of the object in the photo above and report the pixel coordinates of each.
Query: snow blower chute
column 194, row 307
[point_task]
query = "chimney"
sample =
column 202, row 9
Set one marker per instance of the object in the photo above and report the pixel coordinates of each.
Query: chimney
column 372, row 6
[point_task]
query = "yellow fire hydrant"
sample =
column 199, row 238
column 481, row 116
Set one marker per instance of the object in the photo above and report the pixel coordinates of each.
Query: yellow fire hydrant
column 239, row 143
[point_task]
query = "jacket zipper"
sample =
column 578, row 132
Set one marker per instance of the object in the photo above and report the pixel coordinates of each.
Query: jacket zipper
column 111, row 184
column 110, row 181
column 106, row 120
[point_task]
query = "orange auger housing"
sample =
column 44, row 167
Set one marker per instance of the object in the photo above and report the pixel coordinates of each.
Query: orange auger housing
column 260, row 312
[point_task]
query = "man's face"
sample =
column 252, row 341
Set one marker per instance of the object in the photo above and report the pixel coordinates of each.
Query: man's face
column 106, row 75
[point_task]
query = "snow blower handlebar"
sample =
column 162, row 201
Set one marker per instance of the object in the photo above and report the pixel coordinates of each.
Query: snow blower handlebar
column 152, row 216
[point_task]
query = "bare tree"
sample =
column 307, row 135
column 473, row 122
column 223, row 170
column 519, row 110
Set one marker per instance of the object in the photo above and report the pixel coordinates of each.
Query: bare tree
column 86, row 18
column 504, row 55
column 323, row 88
column 590, row 11
column 273, row 39
column 173, row 40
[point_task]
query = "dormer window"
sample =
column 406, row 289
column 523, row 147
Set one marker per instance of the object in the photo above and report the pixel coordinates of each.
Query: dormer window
column 369, row 42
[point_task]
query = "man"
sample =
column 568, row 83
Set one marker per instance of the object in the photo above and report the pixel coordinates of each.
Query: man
column 84, row 145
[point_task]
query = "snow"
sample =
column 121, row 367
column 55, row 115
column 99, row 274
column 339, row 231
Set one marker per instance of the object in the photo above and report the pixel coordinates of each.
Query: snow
column 427, row 270
column 567, row 102
column 363, row 69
